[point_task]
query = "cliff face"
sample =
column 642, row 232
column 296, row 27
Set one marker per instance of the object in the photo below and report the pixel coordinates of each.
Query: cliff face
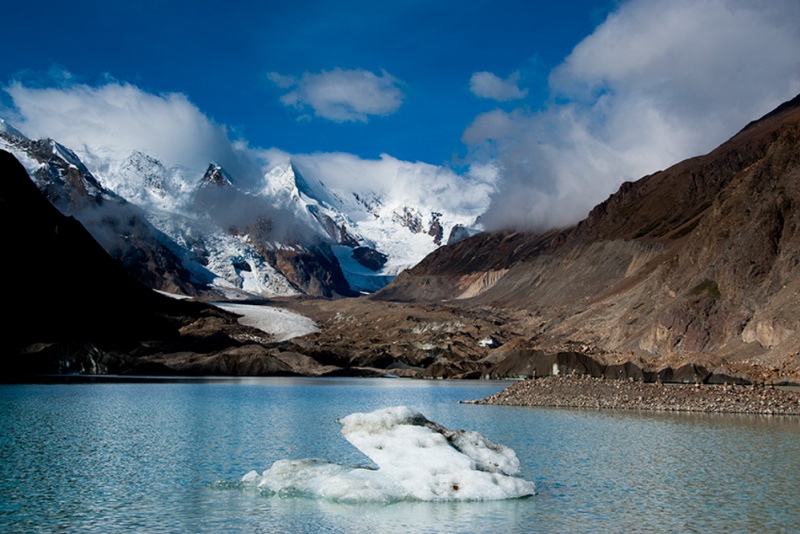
column 697, row 261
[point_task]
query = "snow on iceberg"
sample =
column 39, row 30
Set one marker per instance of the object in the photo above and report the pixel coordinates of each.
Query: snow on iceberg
column 417, row 459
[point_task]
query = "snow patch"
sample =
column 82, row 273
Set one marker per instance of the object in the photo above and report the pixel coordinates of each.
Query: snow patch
column 280, row 323
column 489, row 342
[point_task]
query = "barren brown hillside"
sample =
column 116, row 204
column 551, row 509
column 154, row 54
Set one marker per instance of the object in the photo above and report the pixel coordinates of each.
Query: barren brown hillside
column 696, row 263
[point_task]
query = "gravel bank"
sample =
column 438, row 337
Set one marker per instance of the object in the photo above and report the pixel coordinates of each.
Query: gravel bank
column 596, row 393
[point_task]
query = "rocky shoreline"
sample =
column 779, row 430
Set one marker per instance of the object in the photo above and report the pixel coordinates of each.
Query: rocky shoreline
column 597, row 393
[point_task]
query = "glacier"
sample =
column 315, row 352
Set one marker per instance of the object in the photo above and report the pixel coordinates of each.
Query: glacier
column 416, row 459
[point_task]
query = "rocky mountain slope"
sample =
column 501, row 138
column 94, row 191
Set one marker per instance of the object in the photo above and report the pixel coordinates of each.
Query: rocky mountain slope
column 685, row 275
column 696, row 263
column 121, row 227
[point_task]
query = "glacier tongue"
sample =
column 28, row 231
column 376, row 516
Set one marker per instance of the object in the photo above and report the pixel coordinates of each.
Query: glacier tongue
column 281, row 323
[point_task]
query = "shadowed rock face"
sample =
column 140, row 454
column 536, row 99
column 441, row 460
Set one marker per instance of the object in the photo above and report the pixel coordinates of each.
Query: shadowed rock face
column 370, row 258
column 313, row 269
column 693, row 262
column 62, row 284
column 122, row 229
column 72, row 307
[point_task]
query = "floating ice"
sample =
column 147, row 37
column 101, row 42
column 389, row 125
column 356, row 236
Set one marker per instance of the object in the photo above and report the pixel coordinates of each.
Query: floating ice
column 417, row 459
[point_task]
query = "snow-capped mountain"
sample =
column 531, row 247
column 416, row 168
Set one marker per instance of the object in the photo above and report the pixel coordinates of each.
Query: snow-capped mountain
column 375, row 235
column 285, row 234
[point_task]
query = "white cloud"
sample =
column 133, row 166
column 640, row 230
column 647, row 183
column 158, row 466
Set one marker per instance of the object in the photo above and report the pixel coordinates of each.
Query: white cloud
column 488, row 85
column 656, row 83
column 116, row 119
column 690, row 58
column 415, row 182
column 342, row 95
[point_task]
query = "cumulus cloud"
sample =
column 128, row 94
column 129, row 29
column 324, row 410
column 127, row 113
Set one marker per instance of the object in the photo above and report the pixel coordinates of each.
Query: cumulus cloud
column 655, row 83
column 489, row 85
column 116, row 119
column 342, row 95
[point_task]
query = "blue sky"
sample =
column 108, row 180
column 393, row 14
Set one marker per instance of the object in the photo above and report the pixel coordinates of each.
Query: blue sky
column 220, row 54
column 554, row 103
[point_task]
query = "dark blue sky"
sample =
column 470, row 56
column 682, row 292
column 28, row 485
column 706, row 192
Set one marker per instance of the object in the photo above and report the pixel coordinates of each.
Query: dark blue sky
column 219, row 54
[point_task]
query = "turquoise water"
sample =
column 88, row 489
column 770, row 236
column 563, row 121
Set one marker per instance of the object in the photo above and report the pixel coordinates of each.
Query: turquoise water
column 166, row 456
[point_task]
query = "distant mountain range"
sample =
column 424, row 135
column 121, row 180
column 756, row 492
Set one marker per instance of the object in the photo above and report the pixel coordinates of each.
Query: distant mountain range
column 183, row 232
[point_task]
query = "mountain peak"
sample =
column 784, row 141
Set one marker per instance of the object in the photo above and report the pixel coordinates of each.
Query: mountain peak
column 6, row 128
column 216, row 176
column 281, row 177
column 286, row 177
column 319, row 193
column 139, row 156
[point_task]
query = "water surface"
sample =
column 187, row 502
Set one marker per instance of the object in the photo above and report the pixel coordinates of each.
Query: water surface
column 165, row 455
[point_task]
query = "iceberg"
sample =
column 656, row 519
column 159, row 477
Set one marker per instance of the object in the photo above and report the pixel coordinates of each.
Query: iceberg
column 416, row 459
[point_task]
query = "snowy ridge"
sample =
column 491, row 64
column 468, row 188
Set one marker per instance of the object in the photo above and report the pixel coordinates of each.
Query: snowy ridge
column 280, row 189
column 13, row 141
column 225, row 232
column 146, row 181
column 51, row 164
column 10, row 130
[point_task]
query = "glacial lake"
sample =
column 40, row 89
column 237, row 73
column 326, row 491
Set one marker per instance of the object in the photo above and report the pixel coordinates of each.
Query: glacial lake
column 167, row 456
